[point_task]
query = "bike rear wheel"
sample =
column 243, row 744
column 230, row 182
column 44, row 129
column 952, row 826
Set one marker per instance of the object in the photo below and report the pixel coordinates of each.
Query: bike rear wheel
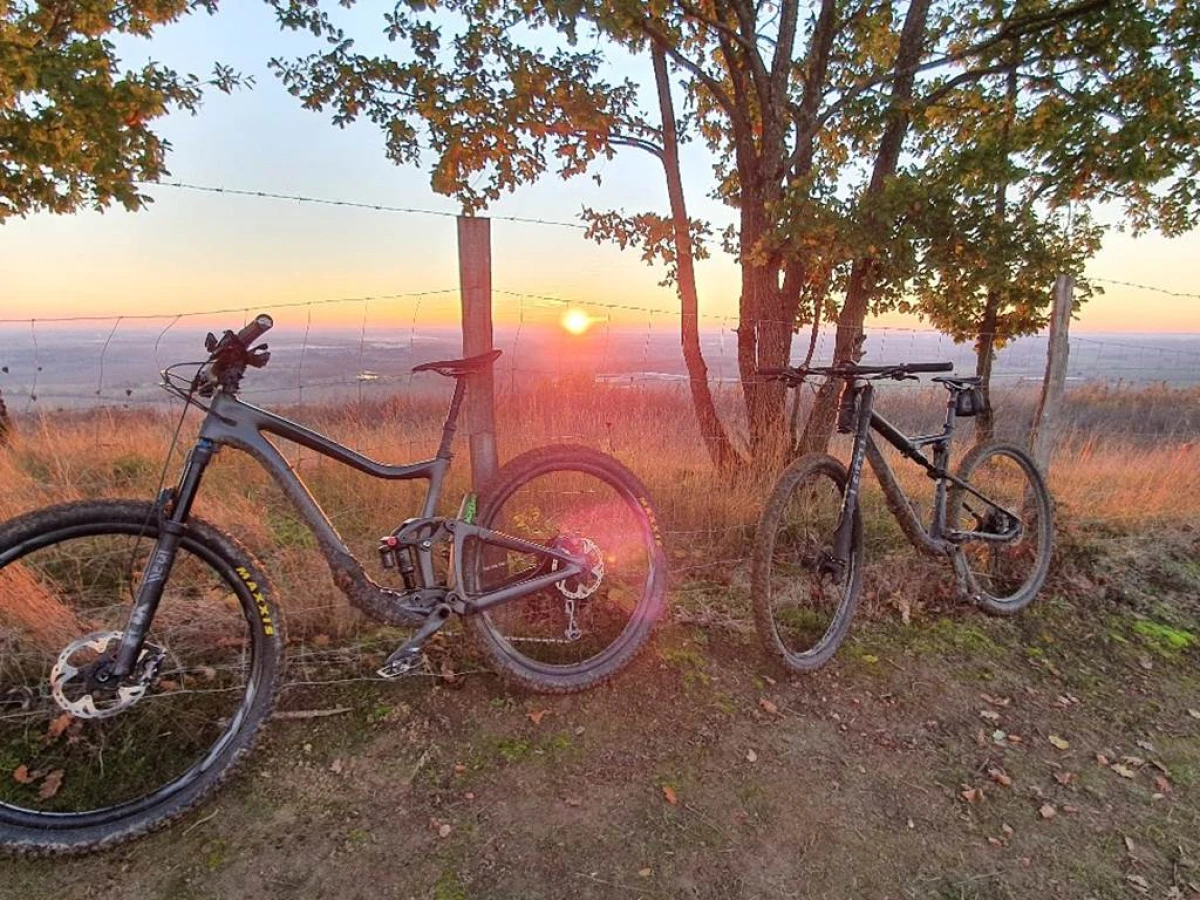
column 803, row 601
column 1003, row 576
column 584, row 629
column 75, row 777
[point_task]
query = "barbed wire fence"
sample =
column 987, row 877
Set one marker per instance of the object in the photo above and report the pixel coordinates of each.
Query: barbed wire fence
column 619, row 386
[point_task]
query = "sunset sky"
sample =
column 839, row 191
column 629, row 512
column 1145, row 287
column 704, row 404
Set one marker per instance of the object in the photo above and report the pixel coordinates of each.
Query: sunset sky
column 192, row 251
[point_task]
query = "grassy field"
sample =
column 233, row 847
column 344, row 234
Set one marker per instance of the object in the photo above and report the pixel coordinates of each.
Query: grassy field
column 943, row 754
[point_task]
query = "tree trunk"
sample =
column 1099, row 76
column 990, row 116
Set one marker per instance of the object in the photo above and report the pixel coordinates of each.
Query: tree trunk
column 985, row 342
column 764, row 335
column 985, row 354
column 860, row 285
column 716, row 439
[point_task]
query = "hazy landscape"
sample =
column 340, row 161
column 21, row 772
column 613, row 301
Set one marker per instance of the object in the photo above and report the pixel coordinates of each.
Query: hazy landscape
column 67, row 366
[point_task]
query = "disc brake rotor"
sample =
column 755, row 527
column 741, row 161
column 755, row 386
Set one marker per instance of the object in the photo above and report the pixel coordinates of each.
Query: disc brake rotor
column 582, row 586
column 71, row 681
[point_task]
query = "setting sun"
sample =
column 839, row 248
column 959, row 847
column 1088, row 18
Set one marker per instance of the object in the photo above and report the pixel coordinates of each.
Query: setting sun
column 576, row 320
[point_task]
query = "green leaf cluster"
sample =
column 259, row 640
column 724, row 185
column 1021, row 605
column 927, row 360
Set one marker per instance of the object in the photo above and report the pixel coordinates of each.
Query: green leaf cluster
column 75, row 128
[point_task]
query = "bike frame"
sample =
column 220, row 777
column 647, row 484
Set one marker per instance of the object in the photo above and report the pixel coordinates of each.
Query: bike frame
column 937, row 539
column 231, row 422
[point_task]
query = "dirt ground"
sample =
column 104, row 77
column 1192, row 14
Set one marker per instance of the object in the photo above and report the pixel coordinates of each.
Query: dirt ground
column 1056, row 754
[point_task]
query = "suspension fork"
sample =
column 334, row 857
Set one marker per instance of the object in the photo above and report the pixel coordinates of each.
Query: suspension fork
column 171, row 527
column 864, row 399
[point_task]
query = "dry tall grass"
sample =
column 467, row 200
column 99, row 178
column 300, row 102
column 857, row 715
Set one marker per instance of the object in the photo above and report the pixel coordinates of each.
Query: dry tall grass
column 1129, row 457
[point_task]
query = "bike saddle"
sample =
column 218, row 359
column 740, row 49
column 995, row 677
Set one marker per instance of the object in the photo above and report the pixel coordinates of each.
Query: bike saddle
column 457, row 367
column 960, row 382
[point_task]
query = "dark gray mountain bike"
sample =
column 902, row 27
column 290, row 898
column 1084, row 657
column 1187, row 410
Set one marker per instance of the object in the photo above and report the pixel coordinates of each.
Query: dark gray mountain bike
column 140, row 647
column 991, row 519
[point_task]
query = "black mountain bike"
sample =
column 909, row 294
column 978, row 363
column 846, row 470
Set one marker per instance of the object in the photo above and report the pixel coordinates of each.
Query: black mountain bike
column 992, row 519
column 140, row 647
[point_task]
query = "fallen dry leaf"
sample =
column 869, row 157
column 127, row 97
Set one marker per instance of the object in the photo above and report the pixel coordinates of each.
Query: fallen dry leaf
column 995, row 842
column 1101, row 759
column 1146, row 745
column 1048, row 811
column 21, row 775
column 1129, row 845
column 1194, row 713
column 1162, row 784
column 751, row 756
column 970, row 794
column 669, row 795
column 469, row 795
column 572, row 801
column 999, row 776
column 336, row 766
column 459, row 768
column 51, row 785
column 57, row 727
column 536, row 716
column 645, row 873
column 1123, row 771
column 1058, row 742
column 990, row 714
column 1002, row 702
column 444, row 830
column 1069, row 809
column 768, row 706
column 1138, row 883
column 1064, row 778
column 1136, row 761
column 1007, row 829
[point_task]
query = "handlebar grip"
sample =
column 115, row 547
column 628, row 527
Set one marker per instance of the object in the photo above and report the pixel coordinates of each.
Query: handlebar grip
column 928, row 367
column 261, row 325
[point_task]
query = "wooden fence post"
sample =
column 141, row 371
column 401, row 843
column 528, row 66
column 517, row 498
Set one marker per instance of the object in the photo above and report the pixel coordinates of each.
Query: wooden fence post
column 5, row 423
column 475, row 283
column 1045, row 420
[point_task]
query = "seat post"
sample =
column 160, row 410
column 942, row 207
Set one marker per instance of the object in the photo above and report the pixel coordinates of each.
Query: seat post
column 451, row 423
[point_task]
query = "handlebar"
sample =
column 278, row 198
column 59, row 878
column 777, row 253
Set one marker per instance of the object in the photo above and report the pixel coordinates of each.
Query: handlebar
column 231, row 354
column 261, row 325
column 797, row 374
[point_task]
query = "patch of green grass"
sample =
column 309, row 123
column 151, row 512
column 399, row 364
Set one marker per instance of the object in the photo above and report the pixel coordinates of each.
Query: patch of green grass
column 289, row 531
column 1164, row 640
column 449, row 887
column 514, row 749
column 214, row 856
column 689, row 661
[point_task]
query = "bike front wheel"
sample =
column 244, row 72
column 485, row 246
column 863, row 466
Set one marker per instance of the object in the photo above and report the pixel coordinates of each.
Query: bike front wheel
column 1004, row 527
column 804, row 598
column 584, row 629
column 85, row 765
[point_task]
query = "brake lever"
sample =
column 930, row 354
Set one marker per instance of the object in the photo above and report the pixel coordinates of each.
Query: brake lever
column 258, row 357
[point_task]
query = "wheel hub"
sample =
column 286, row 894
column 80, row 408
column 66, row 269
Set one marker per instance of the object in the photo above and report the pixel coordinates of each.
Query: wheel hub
column 81, row 681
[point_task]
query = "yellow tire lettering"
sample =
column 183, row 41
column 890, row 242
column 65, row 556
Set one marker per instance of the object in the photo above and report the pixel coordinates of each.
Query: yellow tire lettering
column 260, row 602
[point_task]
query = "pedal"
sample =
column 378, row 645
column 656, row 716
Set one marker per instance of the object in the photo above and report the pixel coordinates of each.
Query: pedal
column 407, row 657
column 397, row 665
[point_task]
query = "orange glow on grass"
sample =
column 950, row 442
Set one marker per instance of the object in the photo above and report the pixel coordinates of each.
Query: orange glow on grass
column 576, row 320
